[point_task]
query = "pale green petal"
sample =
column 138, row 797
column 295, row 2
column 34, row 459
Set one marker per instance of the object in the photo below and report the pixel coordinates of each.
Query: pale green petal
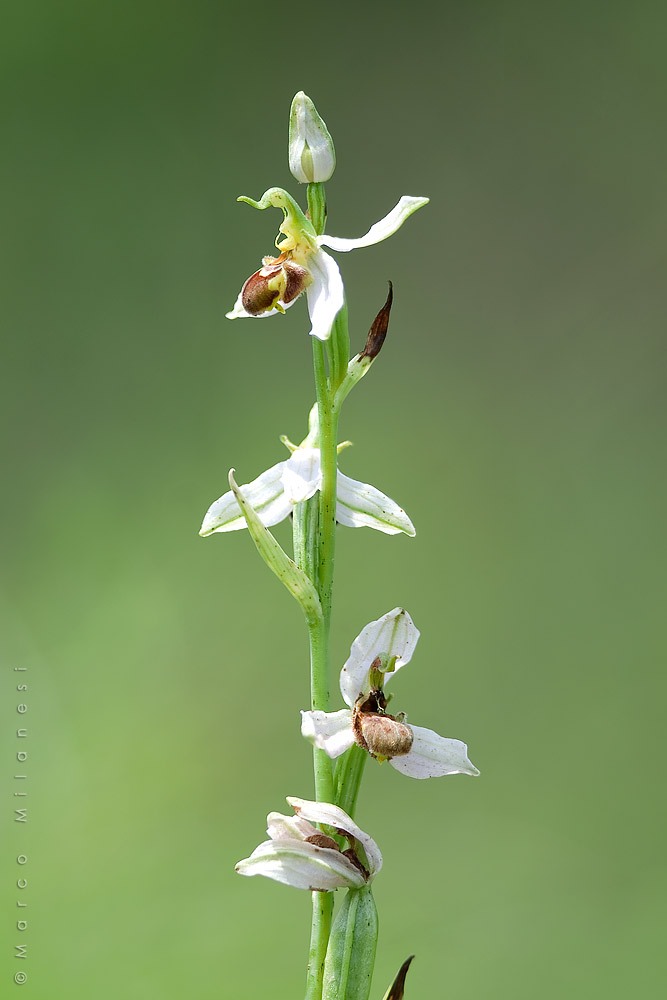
column 363, row 506
column 381, row 230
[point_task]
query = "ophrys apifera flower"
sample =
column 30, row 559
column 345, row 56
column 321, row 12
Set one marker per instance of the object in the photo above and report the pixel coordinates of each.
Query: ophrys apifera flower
column 303, row 266
column 300, row 855
column 274, row 494
column 378, row 652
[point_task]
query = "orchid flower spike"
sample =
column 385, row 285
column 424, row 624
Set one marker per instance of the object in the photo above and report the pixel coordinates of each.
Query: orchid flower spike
column 300, row 855
column 378, row 652
column 275, row 492
column 302, row 265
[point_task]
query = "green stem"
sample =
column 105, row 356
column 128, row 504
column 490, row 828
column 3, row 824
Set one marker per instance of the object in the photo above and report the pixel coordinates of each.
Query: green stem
column 317, row 207
column 328, row 431
column 314, row 536
column 318, row 635
column 322, row 568
column 306, row 539
column 306, row 555
column 319, row 940
column 315, row 542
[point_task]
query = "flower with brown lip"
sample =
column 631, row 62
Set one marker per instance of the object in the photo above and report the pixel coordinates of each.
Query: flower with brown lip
column 380, row 649
column 303, row 266
column 300, row 855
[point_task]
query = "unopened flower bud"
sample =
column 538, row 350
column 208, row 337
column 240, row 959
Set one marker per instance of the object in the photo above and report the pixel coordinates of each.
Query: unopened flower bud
column 312, row 157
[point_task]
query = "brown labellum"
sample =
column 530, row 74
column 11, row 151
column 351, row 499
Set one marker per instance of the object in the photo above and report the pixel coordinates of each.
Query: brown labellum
column 382, row 735
column 256, row 295
column 280, row 280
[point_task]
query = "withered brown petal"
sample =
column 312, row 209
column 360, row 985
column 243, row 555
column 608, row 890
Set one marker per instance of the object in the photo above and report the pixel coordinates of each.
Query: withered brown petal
column 351, row 855
column 378, row 330
column 376, row 700
column 321, row 840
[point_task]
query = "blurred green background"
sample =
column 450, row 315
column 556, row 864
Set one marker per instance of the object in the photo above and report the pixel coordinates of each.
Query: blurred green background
column 516, row 412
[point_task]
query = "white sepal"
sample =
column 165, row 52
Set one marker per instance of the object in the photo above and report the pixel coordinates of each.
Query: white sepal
column 265, row 494
column 433, row 756
column 361, row 505
column 394, row 635
column 329, row 731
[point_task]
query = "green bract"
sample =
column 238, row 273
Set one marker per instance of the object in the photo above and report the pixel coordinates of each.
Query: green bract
column 294, row 578
column 348, row 968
